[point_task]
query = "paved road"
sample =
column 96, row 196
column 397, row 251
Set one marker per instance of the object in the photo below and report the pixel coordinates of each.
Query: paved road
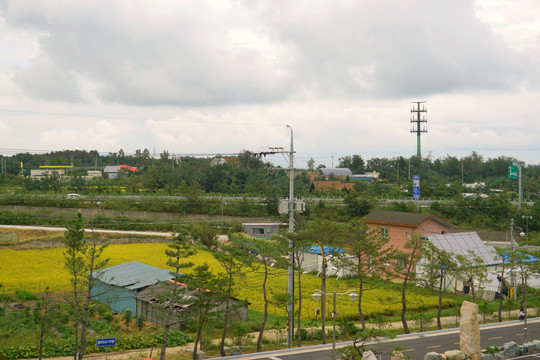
column 416, row 345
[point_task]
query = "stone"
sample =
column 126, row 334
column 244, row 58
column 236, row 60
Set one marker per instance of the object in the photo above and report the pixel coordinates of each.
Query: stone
column 531, row 347
column 537, row 343
column 368, row 355
column 521, row 350
column 498, row 356
column 469, row 331
column 509, row 349
column 397, row 355
column 487, row 357
column 432, row 356
column 454, row 355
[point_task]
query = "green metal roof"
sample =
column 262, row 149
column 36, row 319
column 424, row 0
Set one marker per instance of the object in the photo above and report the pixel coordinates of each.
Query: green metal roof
column 133, row 275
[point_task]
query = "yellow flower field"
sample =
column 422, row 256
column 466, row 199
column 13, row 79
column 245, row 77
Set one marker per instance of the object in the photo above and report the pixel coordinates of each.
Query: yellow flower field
column 34, row 270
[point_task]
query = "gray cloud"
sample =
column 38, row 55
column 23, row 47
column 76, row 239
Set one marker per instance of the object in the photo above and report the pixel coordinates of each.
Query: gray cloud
column 186, row 53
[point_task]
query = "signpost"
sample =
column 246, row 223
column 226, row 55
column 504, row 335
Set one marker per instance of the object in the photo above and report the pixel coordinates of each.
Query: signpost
column 513, row 172
column 416, row 187
column 416, row 190
column 106, row 342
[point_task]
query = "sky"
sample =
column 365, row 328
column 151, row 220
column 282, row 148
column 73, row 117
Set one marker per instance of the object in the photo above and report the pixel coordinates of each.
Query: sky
column 211, row 77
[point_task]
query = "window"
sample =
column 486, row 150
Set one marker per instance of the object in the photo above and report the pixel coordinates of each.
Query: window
column 407, row 234
column 258, row 231
column 384, row 232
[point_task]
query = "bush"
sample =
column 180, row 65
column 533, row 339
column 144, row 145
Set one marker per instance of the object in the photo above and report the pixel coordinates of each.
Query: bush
column 24, row 295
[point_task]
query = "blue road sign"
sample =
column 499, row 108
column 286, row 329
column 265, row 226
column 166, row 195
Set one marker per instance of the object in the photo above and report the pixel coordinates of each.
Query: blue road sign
column 106, row 342
column 416, row 187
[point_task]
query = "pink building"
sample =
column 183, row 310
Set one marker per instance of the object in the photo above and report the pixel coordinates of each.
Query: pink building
column 401, row 226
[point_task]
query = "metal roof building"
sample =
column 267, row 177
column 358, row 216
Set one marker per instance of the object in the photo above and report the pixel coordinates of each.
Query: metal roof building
column 117, row 285
column 336, row 171
column 462, row 243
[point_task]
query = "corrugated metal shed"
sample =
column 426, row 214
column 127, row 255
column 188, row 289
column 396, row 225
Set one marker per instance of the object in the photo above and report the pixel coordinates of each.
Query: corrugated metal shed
column 336, row 171
column 461, row 243
column 133, row 275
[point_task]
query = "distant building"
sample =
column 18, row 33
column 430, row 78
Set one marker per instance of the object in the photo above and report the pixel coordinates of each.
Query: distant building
column 313, row 261
column 368, row 176
column 340, row 173
column 461, row 244
column 401, row 226
column 261, row 230
column 219, row 160
column 153, row 301
column 39, row 174
column 118, row 171
column 118, row 285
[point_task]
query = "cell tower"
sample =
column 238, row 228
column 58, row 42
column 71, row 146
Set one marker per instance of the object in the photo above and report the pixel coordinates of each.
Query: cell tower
column 418, row 128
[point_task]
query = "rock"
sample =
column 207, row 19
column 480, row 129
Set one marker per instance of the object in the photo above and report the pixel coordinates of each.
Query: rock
column 498, row 356
column 521, row 350
column 530, row 347
column 368, row 355
column 510, row 349
column 397, row 355
column 454, row 355
column 469, row 331
column 432, row 356
column 537, row 343
column 236, row 352
column 487, row 357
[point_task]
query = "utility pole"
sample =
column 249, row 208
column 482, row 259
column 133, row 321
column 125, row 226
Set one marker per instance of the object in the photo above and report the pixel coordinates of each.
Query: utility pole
column 290, row 272
column 512, row 260
column 418, row 128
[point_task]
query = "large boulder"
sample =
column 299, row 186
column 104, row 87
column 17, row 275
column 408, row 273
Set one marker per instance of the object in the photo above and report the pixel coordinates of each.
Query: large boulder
column 368, row 355
column 454, row 355
column 433, row 356
column 510, row 349
column 469, row 331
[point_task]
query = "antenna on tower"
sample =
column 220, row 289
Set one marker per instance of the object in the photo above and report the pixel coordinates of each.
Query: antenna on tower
column 418, row 128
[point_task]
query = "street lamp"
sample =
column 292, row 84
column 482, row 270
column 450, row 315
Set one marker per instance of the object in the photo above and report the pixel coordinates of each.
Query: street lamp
column 317, row 296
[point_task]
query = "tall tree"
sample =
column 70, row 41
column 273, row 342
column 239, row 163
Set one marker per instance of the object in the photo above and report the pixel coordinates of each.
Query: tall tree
column 74, row 263
column 93, row 263
column 437, row 264
column 370, row 257
column 43, row 315
column 234, row 261
column 269, row 255
column 177, row 253
column 471, row 269
column 405, row 270
column 208, row 295
column 328, row 235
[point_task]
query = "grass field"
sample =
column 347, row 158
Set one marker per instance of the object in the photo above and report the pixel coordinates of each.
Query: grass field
column 35, row 269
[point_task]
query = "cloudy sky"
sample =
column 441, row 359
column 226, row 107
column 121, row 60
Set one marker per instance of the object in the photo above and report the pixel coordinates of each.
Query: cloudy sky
column 221, row 76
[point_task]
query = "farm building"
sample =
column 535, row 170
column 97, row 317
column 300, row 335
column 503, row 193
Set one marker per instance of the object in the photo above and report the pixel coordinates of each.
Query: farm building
column 461, row 244
column 313, row 260
column 261, row 230
column 153, row 301
column 401, row 226
column 117, row 285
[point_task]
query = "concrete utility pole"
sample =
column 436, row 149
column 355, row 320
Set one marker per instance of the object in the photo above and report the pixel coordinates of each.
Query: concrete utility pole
column 290, row 283
column 418, row 128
